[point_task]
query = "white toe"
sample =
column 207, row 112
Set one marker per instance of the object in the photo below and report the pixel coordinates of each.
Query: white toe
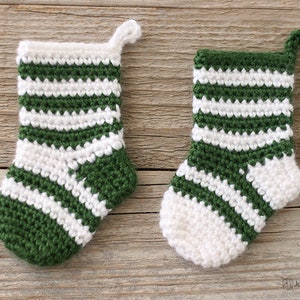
column 196, row 232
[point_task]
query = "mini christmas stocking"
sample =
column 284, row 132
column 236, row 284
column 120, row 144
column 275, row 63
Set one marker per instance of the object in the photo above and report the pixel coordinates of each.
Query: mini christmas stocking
column 241, row 165
column 70, row 167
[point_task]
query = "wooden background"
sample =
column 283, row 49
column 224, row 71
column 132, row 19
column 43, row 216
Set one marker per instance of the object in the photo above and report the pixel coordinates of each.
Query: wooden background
column 128, row 257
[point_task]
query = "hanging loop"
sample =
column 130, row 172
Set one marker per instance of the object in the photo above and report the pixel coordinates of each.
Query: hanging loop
column 128, row 32
column 292, row 43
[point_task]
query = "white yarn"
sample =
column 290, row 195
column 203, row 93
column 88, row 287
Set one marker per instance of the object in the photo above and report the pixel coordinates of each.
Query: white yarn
column 54, row 163
column 98, row 148
column 50, row 163
column 237, row 141
column 68, row 121
column 227, row 192
column 277, row 180
column 48, row 205
column 230, row 108
column 128, row 32
column 67, row 53
column 243, row 78
column 196, row 232
column 70, row 87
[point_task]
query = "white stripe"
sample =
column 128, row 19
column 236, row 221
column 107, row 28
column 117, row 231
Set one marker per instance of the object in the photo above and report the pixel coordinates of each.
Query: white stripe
column 48, row 206
column 227, row 192
column 97, row 148
column 89, row 152
column 68, row 53
column 237, row 141
column 197, row 232
column 68, row 121
column 277, row 180
column 70, row 87
column 243, row 78
column 244, row 109
column 54, row 164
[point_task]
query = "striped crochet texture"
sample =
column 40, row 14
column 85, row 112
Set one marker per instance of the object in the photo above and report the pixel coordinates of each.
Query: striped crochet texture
column 241, row 165
column 70, row 167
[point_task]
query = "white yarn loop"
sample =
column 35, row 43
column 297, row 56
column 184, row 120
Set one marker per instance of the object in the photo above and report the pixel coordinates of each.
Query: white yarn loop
column 128, row 32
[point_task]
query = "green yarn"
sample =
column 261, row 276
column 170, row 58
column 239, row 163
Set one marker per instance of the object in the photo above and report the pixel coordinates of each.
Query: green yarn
column 246, row 93
column 242, row 124
column 292, row 44
column 65, row 139
column 71, row 167
column 114, row 174
column 66, row 72
column 226, row 165
column 68, row 103
column 241, row 159
column 223, row 208
column 230, row 60
column 32, row 235
column 60, row 194
column 240, row 167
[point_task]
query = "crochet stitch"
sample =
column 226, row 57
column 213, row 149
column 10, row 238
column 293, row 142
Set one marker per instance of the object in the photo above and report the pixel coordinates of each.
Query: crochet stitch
column 70, row 167
column 241, row 165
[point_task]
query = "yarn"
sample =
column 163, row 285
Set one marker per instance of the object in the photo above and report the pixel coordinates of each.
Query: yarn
column 71, row 168
column 241, row 165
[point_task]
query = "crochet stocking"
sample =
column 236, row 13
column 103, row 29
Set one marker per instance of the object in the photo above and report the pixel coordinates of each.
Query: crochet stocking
column 241, row 166
column 70, row 167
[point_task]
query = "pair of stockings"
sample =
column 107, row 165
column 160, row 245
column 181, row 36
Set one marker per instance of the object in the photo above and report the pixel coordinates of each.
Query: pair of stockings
column 71, row 167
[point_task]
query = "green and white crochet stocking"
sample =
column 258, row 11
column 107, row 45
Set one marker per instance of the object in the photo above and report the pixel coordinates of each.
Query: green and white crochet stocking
column 241, row 165
column 70, row 167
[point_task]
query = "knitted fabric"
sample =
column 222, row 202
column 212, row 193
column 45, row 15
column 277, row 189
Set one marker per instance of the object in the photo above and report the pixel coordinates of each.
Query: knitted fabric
column 70, row 167
column 241, row 165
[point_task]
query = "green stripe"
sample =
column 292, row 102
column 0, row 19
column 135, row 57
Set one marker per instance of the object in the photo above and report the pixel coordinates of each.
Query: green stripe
column 241, row 159
column 59, row 193
column 226, row 164
column 242, row 124
column 32, row 235
column 67, row 72
column 113, row 177
column 247, row 93
column 71, row 138
column 217, row 204
column 224, row 60
column 69, row 104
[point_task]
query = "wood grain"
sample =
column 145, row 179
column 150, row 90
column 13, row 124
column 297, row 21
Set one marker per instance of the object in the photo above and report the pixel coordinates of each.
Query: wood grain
column 157, row 80
column 254, row 4
column 128, row 258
